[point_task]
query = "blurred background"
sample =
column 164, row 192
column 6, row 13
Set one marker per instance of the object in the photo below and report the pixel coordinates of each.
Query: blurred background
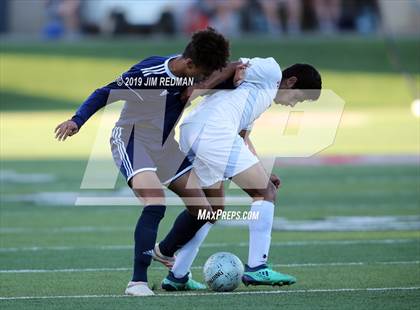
column 71, row 19
column 365, row 186
column 55, row 52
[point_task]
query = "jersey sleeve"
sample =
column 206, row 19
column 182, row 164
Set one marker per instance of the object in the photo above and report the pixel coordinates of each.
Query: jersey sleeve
column 249, row 127
column 263, row 71
column 99, row 98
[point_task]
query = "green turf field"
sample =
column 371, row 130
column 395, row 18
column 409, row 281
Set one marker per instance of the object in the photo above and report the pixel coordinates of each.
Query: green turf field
column 55, row 250
column 52, row 251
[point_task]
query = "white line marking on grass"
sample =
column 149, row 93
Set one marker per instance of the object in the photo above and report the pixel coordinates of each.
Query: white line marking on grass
column 77, row 229
column 11, row 176
column 133, row 201
column 66, row 248
column 67, row 270
column 333, row 264
column 216, row 245
column 316, row 242
column 340, row 223
column 309, row 291
column 333, row 223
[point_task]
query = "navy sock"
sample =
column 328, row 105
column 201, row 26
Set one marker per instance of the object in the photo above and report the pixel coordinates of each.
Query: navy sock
column 145, row 238
column 183, row 230
column 256, row 268
column 172, row 277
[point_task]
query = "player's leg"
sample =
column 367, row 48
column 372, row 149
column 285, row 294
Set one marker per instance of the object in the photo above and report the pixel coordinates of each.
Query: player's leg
column 187, row 233
column 216, row 196
column 188, row 252
column 190, row 144
column 147, row 187
column 140, row 172
column 255, row 181
column 187, row 222
column 175, row 171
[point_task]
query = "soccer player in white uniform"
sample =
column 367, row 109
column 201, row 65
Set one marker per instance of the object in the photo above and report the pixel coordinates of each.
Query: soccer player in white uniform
column 215, row 136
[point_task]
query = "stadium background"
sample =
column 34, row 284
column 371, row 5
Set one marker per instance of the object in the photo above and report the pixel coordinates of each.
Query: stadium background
column 347, row 219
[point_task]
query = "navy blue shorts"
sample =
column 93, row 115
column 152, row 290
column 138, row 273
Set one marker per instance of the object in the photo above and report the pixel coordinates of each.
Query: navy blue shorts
column 136, row 149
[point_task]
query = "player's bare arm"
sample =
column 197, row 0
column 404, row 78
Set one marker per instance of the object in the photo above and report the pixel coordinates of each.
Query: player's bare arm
column 233, row 70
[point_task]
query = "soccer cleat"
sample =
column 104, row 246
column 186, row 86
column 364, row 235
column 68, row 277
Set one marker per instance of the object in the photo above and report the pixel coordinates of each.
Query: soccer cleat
column 170, row 283
column 263, row 275
column 158, row 256
column 138, row 289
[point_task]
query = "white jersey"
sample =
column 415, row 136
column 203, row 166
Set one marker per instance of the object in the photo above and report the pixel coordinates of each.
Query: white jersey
column 237, row 109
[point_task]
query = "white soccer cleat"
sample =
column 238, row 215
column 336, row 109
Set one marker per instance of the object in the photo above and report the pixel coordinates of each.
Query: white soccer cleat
column 158, row 256
column 138, row 289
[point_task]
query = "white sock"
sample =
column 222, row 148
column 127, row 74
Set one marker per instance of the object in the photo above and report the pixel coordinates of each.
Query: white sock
column 260, row 233
column 189, row 251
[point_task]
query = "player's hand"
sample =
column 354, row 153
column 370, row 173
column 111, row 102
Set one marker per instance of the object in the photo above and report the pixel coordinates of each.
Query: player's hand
column 275, row 180
column 65, row 129
column 240, row 74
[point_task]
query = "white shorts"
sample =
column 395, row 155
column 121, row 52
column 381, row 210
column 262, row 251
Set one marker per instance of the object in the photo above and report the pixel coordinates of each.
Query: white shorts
column 216, row 152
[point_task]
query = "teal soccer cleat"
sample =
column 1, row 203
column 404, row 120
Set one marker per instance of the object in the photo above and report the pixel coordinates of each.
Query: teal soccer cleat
column 170, row 283
column 263, row 275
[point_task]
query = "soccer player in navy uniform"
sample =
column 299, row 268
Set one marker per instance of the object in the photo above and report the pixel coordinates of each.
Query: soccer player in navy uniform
column 143, row 143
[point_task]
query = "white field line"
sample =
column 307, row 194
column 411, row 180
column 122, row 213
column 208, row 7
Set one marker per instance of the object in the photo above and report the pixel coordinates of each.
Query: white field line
column 331, row 223
column 333, row 264
column 309, row 291
column 215, row 245
column 77, row 229
column 133, row 201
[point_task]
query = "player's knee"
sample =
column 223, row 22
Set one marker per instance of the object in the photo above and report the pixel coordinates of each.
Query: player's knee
column 270, row 193
column 150, row 196
column 153, row 201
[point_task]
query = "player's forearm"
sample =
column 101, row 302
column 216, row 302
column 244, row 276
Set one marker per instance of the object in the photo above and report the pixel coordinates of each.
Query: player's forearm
column 93, row 103
column 216, row 78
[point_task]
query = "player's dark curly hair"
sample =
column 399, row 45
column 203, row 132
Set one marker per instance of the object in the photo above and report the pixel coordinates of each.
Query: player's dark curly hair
column 308, row 78
column 208, row 49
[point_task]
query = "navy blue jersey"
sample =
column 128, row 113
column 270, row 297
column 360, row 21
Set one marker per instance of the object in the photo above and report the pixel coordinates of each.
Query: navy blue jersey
column 150, row 102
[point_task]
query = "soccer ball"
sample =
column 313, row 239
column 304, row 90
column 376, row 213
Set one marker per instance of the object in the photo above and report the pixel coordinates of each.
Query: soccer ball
column 223, row 272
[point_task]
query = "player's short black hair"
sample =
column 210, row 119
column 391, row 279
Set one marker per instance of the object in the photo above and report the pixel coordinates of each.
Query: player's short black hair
column 208, row 49
column 308, row 78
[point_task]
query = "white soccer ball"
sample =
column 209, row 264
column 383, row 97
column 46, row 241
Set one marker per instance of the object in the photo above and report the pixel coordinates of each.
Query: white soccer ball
column 223, row 272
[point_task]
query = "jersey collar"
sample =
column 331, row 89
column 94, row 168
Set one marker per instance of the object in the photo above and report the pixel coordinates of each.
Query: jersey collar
column 166, row 65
